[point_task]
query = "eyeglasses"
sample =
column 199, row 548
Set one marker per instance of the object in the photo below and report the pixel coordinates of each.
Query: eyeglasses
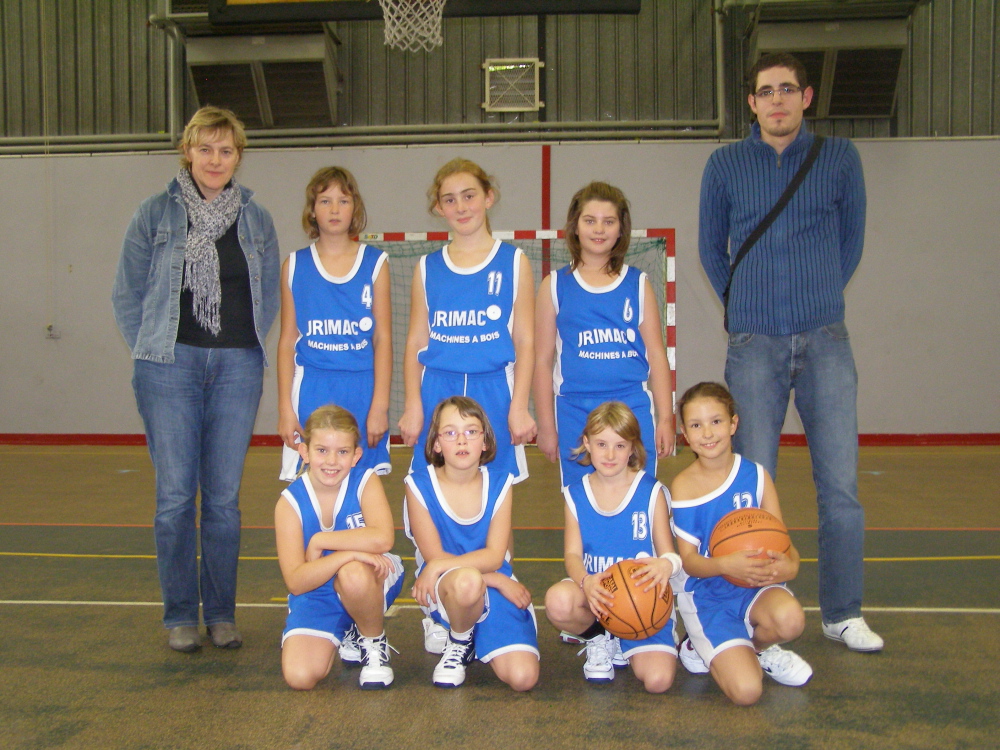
column 451, row 436
column 783, row 90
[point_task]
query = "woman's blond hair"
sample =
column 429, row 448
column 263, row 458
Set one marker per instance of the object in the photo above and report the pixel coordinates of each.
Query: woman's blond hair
column 208, row 122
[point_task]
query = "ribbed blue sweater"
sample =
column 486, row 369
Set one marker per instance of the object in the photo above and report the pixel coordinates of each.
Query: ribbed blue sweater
column 793, row 279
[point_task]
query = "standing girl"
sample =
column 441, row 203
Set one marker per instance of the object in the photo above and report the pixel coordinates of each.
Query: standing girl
column 457, row 512
column 336, row 329
column 471, row 321
column 597, row 335
column 617, row 512
column 334, row 523
column 732, row 630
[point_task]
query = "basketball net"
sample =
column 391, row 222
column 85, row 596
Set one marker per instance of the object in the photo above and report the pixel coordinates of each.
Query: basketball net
column 413, row 24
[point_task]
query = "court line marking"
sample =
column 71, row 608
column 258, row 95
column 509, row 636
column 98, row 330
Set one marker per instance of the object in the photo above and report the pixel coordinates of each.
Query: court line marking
column 259, row 558
column 515, row 528
column 541, row 607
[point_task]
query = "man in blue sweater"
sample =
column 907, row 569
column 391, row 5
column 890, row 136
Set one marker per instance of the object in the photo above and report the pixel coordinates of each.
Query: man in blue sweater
column 786, row 314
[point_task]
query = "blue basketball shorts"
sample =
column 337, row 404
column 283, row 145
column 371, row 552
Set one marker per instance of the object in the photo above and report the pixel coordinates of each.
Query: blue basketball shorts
column 320, row 612
column 502, row 628
column 715, row 623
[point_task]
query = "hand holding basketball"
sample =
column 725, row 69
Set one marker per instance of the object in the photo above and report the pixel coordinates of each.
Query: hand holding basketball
column 637, row 612
column 744, row 542
column 747, row 568
column 655, row 571
column 599, row 599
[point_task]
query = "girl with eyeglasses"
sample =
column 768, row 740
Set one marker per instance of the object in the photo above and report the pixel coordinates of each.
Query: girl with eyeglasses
column 457, row 512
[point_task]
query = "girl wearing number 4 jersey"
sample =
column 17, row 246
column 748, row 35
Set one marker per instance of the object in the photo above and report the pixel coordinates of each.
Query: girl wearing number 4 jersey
column 733, row 632
column 336, row 328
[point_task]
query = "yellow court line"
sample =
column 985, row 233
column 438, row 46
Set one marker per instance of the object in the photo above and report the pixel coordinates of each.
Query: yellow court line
column 950, row 558
column 74, row 555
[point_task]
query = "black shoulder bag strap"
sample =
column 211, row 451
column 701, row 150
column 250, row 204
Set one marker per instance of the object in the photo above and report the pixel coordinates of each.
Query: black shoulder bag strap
column 766, row 222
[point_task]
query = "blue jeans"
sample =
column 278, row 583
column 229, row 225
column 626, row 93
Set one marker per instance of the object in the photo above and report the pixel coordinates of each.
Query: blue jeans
column 818, row 365
column 199, row 414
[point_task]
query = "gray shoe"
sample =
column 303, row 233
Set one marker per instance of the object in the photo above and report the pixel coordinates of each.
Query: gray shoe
column 185, row 638
column 225, row 635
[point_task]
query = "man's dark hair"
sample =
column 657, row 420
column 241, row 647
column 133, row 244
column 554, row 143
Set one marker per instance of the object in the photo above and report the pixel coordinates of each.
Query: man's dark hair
column 777, row 60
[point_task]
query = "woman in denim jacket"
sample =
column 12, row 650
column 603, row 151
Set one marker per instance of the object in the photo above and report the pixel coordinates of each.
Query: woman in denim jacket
column 195, row 295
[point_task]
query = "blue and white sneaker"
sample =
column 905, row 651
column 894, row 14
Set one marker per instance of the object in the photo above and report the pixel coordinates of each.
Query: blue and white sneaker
column 450, row 670
column 785, row 666
column 600, row 652
column 350, row 647
column 376, row 673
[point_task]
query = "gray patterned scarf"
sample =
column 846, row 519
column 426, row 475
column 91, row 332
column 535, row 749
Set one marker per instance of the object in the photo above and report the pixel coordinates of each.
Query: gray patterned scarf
column 207, row 222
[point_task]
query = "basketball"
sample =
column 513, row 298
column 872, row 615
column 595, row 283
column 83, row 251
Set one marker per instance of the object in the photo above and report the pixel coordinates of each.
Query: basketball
column 746, row 529
column 636, row 613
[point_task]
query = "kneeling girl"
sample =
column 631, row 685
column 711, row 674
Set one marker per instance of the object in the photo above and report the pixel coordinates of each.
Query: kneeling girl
column 334, row 531
column 616, row 512
column 458, row 514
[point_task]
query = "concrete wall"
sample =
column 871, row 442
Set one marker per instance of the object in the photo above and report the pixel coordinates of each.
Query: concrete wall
column 922, row 308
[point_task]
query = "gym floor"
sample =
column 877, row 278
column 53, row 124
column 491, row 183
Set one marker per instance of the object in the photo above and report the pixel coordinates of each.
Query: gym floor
column 84, row 661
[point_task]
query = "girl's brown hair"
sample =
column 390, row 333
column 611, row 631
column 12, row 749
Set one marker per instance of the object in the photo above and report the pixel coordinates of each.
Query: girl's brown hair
column 322, row 180
column 599, row 191
column 707, row 389
column 467, row 407
column 459, row 165
column 617, row 417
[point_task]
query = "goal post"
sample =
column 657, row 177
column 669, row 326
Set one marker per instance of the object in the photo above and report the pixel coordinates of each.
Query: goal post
column 651, row 251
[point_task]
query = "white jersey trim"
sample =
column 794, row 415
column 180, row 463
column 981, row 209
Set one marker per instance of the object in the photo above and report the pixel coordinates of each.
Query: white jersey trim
column 359, row 256
column 474, row 269
column 717, row 491
column 601, row 289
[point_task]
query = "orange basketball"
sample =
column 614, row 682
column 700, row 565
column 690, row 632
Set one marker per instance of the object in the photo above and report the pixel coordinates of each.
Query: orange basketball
column 636, row 613
column 746, row 529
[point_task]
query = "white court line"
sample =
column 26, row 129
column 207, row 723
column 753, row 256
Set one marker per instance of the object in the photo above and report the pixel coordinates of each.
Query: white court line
column 538, row 608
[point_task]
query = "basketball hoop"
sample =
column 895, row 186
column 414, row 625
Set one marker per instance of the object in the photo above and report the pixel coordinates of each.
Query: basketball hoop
column 413, row 24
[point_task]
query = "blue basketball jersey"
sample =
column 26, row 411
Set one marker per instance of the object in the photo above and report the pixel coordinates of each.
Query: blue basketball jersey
column 470, row 311
column 597, row 332
column 334, row 315
column 346, row 515
column 694, row 520
column 625, row 533
column 458, row 535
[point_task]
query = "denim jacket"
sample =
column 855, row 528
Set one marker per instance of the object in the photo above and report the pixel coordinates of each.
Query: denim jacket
column 147, row 289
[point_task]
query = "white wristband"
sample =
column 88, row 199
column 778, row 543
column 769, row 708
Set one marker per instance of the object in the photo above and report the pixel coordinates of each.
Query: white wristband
column 675, row 561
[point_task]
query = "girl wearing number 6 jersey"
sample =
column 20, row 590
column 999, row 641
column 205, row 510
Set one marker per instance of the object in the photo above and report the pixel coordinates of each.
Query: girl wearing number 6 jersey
column 598, row 336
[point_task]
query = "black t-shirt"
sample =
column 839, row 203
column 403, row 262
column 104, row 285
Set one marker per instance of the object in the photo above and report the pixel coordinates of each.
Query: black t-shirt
column 236, row 309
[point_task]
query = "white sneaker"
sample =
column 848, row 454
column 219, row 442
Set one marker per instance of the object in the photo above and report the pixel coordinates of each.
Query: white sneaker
column 350, row 648
column 435, row 636
column 855, row 633
column 375, row 671
column 785, row 666
column 600, row 650
column 690, row 658
column 450, row 670
column 565, row 637
column 618, row 660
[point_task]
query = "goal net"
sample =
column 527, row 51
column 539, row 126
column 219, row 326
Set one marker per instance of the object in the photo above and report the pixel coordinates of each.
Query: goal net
column 651, row 250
